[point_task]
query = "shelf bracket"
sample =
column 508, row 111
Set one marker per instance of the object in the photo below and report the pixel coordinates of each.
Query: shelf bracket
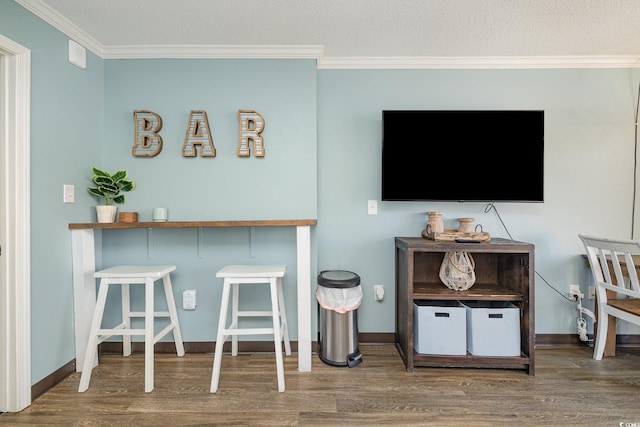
column 149, row 243
column 252, row 241
column 200, row 242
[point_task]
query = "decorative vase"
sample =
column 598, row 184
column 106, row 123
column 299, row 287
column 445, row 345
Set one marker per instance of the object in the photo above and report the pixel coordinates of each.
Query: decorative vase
column 106, row 213
column 465, row 225
column 435, row 223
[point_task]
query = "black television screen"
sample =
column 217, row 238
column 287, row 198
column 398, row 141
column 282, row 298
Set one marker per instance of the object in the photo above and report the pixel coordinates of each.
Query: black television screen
column 463, row 156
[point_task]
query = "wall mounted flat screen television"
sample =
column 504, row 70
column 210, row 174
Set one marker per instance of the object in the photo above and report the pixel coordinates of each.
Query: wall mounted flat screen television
column 463, row 156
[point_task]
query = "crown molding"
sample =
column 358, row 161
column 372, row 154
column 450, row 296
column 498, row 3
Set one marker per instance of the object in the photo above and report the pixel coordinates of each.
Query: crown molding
column 212, row 51
column 50, row 16
column 490, row 62
column 316, row 52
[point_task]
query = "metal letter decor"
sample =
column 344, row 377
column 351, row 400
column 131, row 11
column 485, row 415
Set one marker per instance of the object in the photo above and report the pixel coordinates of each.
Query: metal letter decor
column 251, row 127
column 147, row 141
column 198, row 134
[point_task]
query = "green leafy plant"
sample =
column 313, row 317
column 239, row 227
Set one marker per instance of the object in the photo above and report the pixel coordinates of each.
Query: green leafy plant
column 110, row 186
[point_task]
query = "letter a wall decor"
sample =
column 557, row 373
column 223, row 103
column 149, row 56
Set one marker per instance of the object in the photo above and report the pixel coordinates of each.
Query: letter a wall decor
column 147, row 142
column 198, row 134
column 251, row 127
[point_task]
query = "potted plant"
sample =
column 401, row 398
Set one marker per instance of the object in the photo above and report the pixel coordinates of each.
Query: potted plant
column 109, row 187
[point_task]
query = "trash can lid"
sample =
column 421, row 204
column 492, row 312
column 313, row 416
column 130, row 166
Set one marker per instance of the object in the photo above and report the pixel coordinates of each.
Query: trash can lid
column 338, row 279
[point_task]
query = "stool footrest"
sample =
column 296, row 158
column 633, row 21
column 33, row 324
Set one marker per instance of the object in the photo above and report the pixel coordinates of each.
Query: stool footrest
column 120, row 331
column 248, row 331
column 255, row 313
column 117, row 331
column 155, row 314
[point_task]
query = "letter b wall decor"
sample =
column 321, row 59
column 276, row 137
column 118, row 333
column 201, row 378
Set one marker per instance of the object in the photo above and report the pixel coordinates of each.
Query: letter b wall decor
column 147, row 140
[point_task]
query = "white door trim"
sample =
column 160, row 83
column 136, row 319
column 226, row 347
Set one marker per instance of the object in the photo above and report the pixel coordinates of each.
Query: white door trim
column 15, row 258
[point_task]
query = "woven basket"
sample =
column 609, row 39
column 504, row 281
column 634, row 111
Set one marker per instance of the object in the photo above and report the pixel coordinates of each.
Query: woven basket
column 457, row 271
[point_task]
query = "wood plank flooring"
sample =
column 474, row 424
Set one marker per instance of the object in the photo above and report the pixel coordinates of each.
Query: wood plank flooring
column 569, row 389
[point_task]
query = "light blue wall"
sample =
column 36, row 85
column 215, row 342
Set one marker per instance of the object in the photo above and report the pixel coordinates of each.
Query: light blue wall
column 322, row 138
column 282, row 185
column 66, row 136
column 589, row 148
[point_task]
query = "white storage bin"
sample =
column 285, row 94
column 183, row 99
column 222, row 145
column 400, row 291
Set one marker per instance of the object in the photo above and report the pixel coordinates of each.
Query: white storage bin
column 493, row 328
column 439, row 327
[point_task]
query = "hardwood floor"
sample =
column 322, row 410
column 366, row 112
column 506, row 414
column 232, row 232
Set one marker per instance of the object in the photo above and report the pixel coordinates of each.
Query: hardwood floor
column 569, row 389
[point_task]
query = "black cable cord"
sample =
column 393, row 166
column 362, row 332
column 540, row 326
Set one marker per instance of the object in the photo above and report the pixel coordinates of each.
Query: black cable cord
column 488, row 208
column 492, row 206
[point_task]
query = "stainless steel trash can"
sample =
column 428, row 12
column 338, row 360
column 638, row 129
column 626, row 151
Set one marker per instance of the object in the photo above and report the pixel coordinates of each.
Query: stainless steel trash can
column 339, row 294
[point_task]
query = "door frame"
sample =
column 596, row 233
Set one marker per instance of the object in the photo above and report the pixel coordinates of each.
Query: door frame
column 15, row 239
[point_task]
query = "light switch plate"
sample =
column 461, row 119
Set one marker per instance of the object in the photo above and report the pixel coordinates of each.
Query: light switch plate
column 69, row 193
column 372, row 207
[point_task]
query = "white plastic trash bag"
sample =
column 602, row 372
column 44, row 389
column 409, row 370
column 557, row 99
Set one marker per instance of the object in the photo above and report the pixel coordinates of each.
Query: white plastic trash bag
column 340, row 300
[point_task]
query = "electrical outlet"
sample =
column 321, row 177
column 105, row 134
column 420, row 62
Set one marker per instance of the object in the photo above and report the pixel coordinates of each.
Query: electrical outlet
column 574, row 291
column 592, row 292
column 189, row 300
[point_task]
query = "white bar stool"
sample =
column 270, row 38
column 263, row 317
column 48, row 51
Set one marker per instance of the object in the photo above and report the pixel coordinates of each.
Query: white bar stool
column 251, row 274
column 126, row 275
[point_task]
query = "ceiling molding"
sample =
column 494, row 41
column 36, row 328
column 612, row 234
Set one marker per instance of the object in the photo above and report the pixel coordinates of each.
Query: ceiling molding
column 507, row 62
column 213, row 51
column 58, row 21
column 61, row 23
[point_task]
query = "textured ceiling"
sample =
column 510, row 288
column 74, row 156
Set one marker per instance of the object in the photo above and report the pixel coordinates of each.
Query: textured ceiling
column 368, row 28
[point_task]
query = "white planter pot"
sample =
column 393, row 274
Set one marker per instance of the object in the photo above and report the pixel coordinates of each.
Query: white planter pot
column 106, row 213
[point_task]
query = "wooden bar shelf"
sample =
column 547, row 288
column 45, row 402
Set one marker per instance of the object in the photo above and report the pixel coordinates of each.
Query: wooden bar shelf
column 196, row 224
